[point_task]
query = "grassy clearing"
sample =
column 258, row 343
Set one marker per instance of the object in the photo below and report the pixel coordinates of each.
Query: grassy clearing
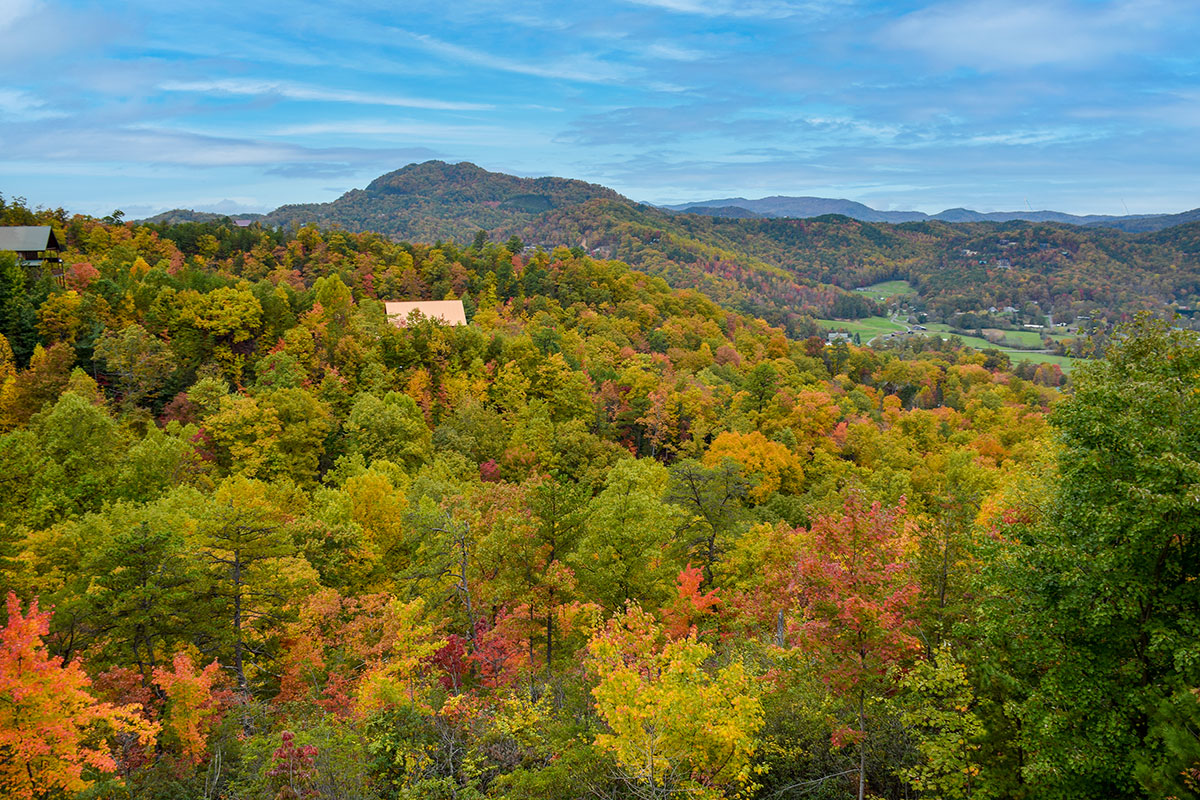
column 865, row 328
column 871, row 327
column 1012, row 339
column 886, row 289
column 1030, row 339
column 1043, row 358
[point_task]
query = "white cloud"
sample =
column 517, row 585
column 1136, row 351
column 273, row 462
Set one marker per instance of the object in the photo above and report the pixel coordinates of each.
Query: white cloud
column 13, row 11
column 158, row 146
column 581, row 68
column 768, row 9
column 671, row 52
column 24, row 106
column 291, row 91
column 430, row 132
column 1028, row 138
column 1019, row 34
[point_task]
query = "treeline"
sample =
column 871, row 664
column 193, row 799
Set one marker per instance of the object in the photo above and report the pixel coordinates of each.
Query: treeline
column 610, row 539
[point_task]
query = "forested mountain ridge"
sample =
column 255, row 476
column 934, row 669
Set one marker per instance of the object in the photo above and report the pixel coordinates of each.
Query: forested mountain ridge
column 259, row 543
column 788, row 271
column 804, row 207
column 434, row 201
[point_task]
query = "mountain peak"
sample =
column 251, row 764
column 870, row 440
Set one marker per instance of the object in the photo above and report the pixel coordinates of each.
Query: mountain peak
column 464, row 182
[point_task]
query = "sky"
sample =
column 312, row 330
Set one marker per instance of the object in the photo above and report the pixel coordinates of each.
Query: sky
column 1085, row 106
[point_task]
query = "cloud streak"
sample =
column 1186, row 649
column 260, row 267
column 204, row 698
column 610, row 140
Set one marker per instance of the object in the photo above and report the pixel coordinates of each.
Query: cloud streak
column 580, row 68
column 289, row 91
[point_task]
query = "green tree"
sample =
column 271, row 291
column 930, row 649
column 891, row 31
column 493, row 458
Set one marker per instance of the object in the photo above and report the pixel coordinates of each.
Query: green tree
column 81, row 448
column 253, row 570
column 304, row 422
column 623, row 553
column 938, row 710
column 713, row 514
column 145, row 597
column 392, row 429
column 18, row 319
column 1096, row 611
column 138, row 363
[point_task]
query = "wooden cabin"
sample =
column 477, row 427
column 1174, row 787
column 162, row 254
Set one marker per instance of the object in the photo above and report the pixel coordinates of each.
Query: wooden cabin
column 34, row 244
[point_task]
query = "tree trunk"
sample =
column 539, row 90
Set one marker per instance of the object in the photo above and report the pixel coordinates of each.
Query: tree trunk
column 238, row 664
column 862, row 747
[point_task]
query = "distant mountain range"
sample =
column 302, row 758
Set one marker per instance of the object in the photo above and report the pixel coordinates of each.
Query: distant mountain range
column 807, row 207
column 435, row 200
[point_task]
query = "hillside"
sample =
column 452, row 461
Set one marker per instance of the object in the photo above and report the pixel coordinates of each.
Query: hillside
column 790, row 271
column 434, row 201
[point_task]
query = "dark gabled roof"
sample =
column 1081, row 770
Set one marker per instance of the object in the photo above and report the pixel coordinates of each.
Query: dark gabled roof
column 28, row 238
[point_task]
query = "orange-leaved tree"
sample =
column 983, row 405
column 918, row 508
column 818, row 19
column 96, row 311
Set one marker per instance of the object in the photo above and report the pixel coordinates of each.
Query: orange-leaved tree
column 192, row 709
column 53, row 733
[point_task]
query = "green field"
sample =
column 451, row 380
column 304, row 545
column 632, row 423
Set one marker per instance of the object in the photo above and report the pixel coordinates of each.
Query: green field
column 865, row 328
column 1026, row 338
column 1017, row 339
column 886, row 289
column 871, row 327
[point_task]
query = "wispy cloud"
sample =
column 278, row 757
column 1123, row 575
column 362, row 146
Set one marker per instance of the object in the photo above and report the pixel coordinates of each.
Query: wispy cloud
column 432, row 132
column 673, row 52
column 766, row 9
column 291, row 91
column 579, row 68
column 180, row 148
column 12, row 11
column 24, row 106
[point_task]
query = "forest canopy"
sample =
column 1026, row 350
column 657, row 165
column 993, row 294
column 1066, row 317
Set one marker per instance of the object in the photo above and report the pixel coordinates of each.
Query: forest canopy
column 610, row 538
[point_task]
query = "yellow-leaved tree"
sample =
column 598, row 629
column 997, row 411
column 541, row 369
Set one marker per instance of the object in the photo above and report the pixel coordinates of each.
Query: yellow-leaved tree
column 677, row 727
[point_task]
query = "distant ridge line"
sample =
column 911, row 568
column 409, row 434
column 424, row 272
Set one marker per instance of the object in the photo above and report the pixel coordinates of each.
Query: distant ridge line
column 806, row 207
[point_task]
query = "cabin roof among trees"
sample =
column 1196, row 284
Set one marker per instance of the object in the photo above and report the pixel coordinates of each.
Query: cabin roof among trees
column 448, row 311
column 28, row 238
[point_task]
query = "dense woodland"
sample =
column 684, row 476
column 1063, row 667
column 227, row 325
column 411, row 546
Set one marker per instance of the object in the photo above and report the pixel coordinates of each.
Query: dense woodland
column 611, row 539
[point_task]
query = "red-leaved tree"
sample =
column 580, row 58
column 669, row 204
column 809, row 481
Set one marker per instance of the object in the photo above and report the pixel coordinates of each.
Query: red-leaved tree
column 855, row 595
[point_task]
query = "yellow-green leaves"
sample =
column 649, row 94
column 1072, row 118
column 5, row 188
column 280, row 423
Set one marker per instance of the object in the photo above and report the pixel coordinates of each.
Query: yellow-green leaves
column 939, row 711
column 677, row 723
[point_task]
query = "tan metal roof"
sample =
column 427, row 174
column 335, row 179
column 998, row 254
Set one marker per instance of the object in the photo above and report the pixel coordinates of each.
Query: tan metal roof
column 448, row 311
column 27, row 238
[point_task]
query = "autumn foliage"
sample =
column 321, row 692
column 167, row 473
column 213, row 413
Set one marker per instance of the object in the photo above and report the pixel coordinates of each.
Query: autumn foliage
column 54, row 736
column 609, row 539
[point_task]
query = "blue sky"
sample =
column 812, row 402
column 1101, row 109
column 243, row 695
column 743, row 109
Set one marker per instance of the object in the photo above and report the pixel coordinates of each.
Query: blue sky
column 1089, row 106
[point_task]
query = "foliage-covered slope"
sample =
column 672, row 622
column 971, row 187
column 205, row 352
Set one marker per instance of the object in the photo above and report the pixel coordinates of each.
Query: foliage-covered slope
column 339, row 558
column 435, row 201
